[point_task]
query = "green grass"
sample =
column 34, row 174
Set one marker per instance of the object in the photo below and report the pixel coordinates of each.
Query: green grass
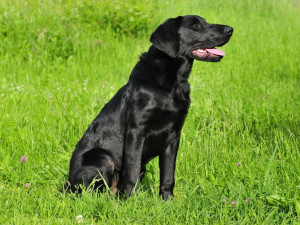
column 61, row 61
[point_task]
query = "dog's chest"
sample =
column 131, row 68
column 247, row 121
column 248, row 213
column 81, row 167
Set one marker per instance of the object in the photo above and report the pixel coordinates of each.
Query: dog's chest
column 164, row 130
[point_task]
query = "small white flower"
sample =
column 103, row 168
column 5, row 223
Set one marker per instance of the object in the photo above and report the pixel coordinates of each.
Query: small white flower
column 47, row 167
column 79, row 219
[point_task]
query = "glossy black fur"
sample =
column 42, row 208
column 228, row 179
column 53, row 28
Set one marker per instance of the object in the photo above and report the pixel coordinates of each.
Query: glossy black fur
column 145, row 117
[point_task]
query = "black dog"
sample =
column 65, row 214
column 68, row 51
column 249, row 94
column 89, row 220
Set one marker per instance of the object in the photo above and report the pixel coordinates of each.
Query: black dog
column 144, row 119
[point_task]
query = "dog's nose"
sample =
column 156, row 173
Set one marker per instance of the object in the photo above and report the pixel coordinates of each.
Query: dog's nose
column 228, row 30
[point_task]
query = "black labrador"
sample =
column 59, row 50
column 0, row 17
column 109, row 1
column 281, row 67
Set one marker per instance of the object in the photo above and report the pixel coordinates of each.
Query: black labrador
column 145, row 117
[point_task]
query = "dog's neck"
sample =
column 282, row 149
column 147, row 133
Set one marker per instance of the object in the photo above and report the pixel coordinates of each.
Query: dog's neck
column 162, row 68
column 180, row 66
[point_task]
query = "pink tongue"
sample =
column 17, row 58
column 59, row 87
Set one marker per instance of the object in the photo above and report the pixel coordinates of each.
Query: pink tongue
column 215, row 51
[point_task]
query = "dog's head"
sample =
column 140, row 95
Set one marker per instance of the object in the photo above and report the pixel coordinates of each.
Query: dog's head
column 191, row 37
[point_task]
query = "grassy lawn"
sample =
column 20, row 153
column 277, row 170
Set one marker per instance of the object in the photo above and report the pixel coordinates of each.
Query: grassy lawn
column 239, row 156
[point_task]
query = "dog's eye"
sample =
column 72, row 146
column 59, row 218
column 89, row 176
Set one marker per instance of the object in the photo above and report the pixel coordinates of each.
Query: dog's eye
column 197, row 26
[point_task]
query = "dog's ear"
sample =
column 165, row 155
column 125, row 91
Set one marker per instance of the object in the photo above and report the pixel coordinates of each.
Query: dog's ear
column 166, row 37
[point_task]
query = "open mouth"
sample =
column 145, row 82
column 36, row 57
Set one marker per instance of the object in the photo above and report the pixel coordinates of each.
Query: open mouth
column 207, row 53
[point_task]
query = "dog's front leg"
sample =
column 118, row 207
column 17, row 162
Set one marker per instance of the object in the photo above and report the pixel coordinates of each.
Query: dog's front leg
column 167, row 163
column 132, row 159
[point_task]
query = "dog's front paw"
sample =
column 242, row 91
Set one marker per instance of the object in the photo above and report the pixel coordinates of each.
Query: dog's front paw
column 127, row 190
column 166, row 195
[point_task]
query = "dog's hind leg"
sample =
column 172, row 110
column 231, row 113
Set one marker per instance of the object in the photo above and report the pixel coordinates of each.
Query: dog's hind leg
column 97, row 176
